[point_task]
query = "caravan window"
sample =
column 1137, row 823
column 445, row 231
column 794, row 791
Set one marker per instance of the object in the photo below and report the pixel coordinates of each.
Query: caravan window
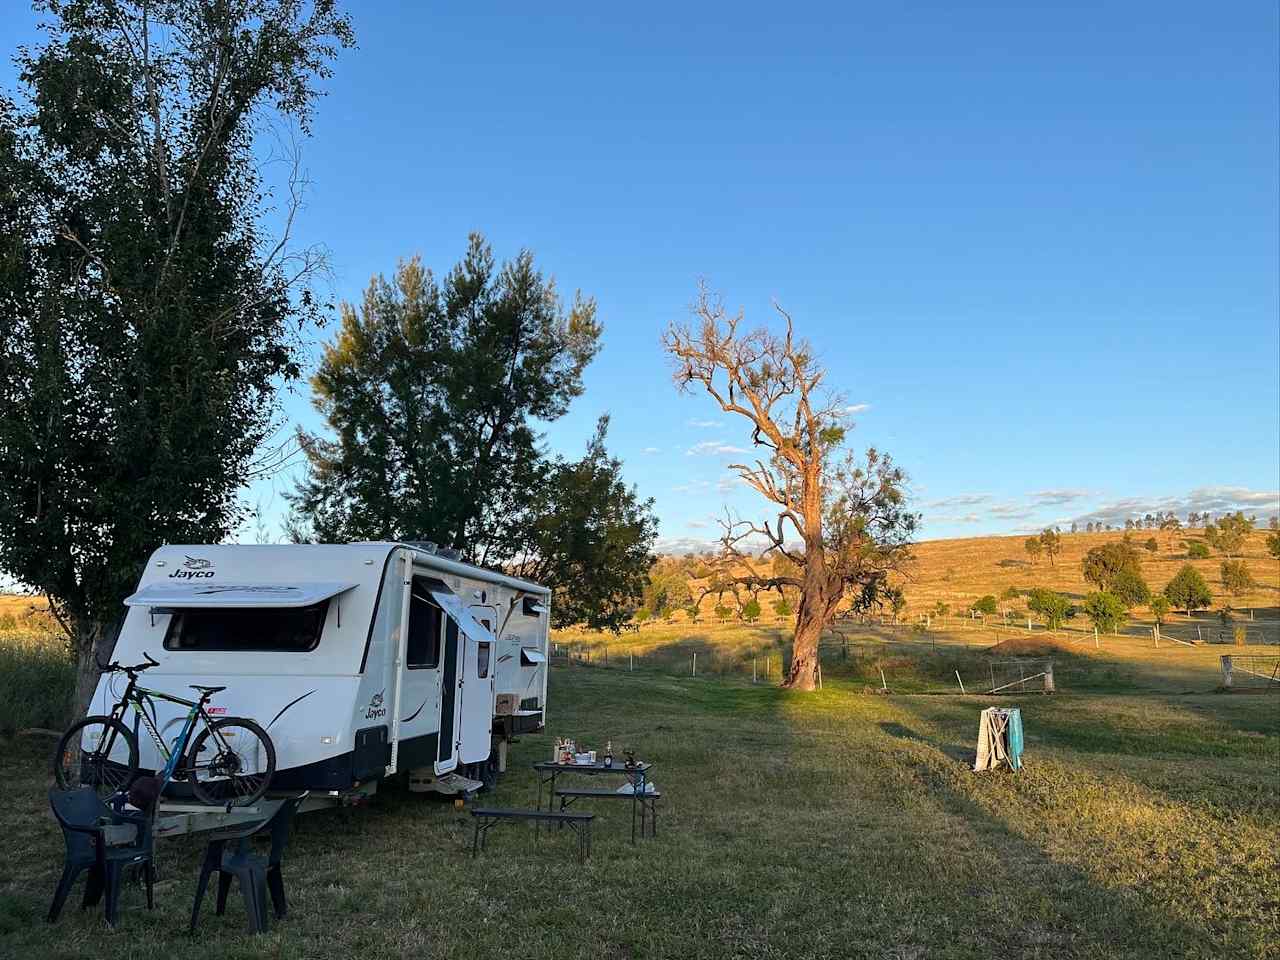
column 279, row 629
column 482, row 659
column 426, row 621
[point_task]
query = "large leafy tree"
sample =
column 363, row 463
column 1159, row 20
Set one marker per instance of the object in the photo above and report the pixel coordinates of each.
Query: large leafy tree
column 588, row 536
column 1102, row 565
column 1188, row 589
column 431, row 392
column 849, row 516
column 1230, row 533
column 146, row 311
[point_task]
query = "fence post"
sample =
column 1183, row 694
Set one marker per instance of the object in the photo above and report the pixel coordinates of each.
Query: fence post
column 606, row 654
column 961, row 682
column 1048, row 678
column 695, row 664
column 631, row 662
column 753, row 669
column 1226, row 671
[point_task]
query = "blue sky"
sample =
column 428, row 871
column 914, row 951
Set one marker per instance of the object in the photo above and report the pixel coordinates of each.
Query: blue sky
column 1039, row 244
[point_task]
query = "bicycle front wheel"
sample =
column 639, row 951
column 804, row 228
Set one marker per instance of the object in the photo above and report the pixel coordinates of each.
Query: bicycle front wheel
column 97, row 752
column 232, row 762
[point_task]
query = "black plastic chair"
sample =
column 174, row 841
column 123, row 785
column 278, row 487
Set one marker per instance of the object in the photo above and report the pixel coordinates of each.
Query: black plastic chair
column 256, row 875
column 89, row 828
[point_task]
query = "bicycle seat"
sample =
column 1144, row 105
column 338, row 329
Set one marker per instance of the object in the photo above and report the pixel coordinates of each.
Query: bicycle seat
column 196, row 686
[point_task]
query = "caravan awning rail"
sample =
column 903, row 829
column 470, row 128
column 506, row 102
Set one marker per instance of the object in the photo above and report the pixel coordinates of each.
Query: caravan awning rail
column 182, row 596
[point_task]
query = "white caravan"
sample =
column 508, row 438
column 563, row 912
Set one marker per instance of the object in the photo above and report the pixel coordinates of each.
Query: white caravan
column 311, row 641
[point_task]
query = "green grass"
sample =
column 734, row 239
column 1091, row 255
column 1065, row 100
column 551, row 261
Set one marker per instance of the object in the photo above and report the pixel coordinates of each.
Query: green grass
column 834, row 824
column 37, row 681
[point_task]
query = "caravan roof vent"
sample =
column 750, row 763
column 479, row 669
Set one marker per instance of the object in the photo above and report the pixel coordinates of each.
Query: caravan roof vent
column 426, row 546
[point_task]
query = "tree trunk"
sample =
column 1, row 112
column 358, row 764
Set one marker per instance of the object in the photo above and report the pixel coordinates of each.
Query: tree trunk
column 803, row 674
column 93, row 640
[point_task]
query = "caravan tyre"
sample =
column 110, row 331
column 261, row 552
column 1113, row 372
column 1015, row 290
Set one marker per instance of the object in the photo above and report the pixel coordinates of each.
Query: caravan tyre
column 98, row 752
column 231, row 762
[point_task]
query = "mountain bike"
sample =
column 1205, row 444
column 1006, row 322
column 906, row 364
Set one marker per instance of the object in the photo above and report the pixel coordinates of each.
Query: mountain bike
column 229, row 762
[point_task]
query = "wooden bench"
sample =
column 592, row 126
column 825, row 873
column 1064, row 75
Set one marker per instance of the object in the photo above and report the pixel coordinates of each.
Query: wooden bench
column 648, row 802
column 488, row 817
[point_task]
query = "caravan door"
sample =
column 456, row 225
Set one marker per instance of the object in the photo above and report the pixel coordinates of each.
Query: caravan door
column 479, row 669
column 450, row 698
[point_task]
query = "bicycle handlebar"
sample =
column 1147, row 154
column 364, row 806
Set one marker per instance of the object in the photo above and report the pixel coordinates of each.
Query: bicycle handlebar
column 115, row 666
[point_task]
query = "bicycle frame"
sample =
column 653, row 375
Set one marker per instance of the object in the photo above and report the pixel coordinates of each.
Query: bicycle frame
column 139, row 698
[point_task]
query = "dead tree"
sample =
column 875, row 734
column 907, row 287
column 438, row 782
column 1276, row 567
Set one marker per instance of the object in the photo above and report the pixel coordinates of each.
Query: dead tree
column 848, row 518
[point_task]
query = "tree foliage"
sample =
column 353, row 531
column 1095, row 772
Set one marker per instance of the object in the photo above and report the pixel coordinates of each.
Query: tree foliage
column 1051, row 543
column 430, row 392
column 1197, row 550
column 1103, row 564
column 1129, row 587
column 1188, row 590
column 1052, row 607
column 1034, row 547
column 1236, row 578
column 1273, row 545
column 1160, row 607
column 1229, row 534
column 985, row 605
column 1105, row 610
column 590, row 537
column 849, row 515
column 147, row 312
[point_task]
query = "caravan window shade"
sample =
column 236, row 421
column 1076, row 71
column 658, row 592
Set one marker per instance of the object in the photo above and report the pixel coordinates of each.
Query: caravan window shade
column 258, row 629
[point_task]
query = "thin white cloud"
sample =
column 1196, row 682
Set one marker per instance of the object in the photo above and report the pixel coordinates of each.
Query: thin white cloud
column 669, row 546
column 1010, row 511
column 698, row 524
column 966, row 518
column 1053, row 498
column 960, row 500
column 705, row 424
column 730, row 483
column 1216, row 500
column 651, row 450
column 713, row 448
column 693, row 486
column 854, row 408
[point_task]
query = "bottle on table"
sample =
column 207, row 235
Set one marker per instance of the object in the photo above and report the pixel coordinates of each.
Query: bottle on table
column 608, row 753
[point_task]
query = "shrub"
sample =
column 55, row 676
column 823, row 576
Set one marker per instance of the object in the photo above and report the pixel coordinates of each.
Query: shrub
column 985, row 605
column 1053, row 608
column 782, row 607
column 1160, row 607
column 1197, row 550
column 722, row 612
column 751, row 610
column 1152, row 545
column 1273, row 544
column 641, row 615
column 1236, row 578
column 1187, row 590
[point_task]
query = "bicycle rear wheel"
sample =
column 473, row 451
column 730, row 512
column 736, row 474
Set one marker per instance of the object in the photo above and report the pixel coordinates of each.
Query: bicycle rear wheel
column 97, row 752
column 232, row 762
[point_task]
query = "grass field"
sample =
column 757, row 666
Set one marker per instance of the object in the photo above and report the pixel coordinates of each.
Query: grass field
column 844, row 823
column 837, row 824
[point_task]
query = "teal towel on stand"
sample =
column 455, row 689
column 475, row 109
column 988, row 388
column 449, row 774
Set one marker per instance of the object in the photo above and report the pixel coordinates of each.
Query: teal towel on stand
column 1014, row 735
